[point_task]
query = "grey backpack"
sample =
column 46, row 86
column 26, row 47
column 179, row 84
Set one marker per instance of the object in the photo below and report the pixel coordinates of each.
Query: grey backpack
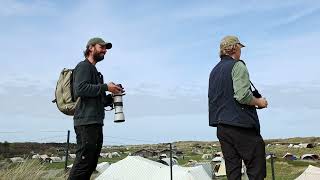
column 64, row 93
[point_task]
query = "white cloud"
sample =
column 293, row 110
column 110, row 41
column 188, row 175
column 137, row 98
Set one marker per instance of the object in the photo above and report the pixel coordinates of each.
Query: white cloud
column 165, row 78
column 11, row 8
column 295, row 16
column 214, row 10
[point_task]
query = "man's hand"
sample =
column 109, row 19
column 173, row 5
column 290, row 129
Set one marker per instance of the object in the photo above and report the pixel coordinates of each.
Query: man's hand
column 114, row 88
column 262, row 103
column 259, row 102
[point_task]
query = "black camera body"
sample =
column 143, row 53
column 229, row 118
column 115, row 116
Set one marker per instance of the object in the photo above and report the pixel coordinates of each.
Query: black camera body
column 256, row 93
column 108, row 101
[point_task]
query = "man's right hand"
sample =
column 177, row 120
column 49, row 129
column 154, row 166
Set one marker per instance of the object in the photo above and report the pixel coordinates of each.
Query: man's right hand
column 114, row 88
column 262, row 103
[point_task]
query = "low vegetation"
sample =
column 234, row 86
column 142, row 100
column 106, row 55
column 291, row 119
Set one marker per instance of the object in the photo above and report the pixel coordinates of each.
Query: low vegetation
column 192, row 150
column 29, row 170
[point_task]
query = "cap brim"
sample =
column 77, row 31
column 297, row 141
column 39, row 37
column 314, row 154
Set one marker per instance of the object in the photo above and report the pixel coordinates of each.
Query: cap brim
column 242, row 45
column 107, row 45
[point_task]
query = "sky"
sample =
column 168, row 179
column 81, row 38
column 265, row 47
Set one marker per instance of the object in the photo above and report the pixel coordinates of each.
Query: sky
column 163, row 52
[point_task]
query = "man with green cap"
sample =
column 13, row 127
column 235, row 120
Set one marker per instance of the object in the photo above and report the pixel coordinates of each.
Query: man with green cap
column 88, row 118
column 232, row 109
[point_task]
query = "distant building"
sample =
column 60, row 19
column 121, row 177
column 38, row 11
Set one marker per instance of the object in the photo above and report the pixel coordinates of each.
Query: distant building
column 104, row 155
column 207, row 156
column 116, row 154
column 312, row 157
column 306, row 145
column 145, row 153
column 289, row 156
column 167, row 152
column 72, row 156
column 16, row 159
column 42, row 157
column 179, row 153
column 197, row 151
column 53, row 159
column 296, row 146
column 290, row 146
column 218, row 154
column 163, row 156
column 268, row 156
column 166, row 161
column 268, row 145
column 153, row 153
column 36, row 156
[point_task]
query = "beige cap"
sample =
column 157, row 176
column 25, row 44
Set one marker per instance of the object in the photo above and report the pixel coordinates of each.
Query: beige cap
column 229, row 41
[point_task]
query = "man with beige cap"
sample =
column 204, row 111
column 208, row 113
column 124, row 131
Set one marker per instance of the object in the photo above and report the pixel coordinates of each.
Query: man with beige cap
column 232, row 109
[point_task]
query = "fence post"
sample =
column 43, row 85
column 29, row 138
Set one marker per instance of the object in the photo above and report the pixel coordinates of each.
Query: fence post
column 171, row 177
column 67, row 151
column 272, row 166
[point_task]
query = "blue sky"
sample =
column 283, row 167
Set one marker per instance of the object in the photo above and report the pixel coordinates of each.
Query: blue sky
column 162, row 53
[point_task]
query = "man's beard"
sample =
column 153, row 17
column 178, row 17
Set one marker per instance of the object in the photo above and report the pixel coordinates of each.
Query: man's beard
column 98, row 57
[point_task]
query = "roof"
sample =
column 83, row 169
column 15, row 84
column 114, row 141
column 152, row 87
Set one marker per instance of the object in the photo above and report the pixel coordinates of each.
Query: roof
column 183, row 173
column 101, row 167
column 217, row 159
column 218, row 154
column 166, row 161
column 287, row 154
column 206, row 166
column 72, row 155
column 311, row 173
column 55, row 159
column 313, row 156
column 17, row 159
column 135, row 167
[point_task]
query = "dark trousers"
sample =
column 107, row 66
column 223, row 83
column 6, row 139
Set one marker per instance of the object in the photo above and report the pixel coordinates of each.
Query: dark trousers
column 89, row 144
column 245, row 144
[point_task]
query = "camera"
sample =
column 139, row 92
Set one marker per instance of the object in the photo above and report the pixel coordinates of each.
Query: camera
column 118, row 106
column 114, row 101
column 256, row 93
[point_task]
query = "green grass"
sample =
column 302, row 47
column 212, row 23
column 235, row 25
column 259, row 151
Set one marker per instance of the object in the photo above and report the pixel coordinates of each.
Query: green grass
column 56, row 165
column 284, row 170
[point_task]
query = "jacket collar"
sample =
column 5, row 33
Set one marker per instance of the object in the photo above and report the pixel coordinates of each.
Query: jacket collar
column 226, row 57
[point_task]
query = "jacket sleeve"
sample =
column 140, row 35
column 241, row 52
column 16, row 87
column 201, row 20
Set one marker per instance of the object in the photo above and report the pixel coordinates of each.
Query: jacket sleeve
column 241, row 83
column 83, row 86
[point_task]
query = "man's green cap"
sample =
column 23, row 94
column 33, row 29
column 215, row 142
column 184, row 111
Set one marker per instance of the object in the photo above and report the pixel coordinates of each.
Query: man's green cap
column 228, row 41
column 97, row 40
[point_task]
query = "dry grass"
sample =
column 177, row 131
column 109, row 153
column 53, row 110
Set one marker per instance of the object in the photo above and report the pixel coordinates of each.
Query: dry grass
column 29, row 170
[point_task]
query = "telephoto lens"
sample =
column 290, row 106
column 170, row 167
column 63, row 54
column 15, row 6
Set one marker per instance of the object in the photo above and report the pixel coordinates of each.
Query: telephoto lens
column 118, row 107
